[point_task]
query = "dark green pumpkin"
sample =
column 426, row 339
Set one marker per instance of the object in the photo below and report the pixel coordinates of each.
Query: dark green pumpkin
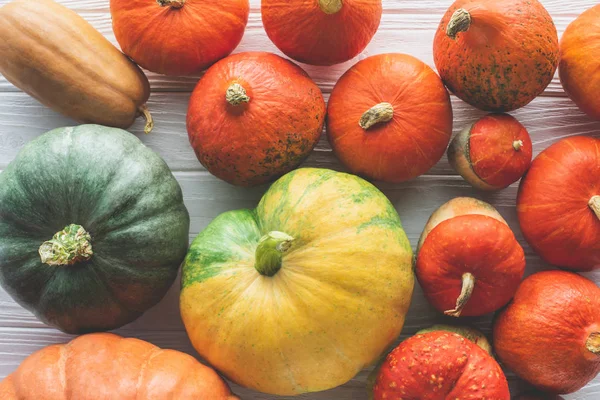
column 120, row 223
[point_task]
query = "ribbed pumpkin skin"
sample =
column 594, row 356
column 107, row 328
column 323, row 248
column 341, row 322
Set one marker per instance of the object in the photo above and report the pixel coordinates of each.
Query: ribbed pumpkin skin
column 304, row 32
column 257, row 141
column 104, row 366
column 178, row 41
column 410, row 143
column 54, row 55
column 338, row 301
column 579, row 68
column 506, row 59
column 123, row 195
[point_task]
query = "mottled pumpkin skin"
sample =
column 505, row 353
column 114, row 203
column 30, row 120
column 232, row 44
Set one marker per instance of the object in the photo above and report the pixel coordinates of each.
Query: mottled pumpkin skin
column 408, row 145
column 123, row 194
column 258, row 141
column 440, row 365
column 104, row 366
column 579, row 67
column 506, row 59
column 542, row 334
column 178, row 41
column 337, row 303
column 304, row 32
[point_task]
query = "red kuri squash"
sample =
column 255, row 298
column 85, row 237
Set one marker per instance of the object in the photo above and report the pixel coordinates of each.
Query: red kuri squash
column 469, row 262
column 550, row 334
column 579, row 66
column 178, row 37
column 559, row 204
column 389, row 118
column 254, row 117
column 321, row 32
column 497, row 55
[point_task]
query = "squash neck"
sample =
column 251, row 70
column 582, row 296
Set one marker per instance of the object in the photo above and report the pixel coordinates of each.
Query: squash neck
column 381, row 113
column 270, row 251
column 67, row 247
column 171, row 3
column 594, row 204
column 459, row 22
column 593, row 343
column 330, row 6
column 468, row 284
column 236, row 95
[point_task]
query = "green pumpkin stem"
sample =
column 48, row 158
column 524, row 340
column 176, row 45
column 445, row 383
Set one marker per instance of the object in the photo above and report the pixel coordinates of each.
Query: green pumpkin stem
column 382, row 112
column 460, row 22
column 143, row 110
column 330, row 6
column 593, row 343
column 67, row 247
column 270, row 250
column 236, row 95
column 594, row 204
column 171, row 3
column 468, row 284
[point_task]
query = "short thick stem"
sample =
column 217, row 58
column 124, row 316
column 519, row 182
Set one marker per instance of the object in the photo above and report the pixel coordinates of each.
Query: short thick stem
column 594, row 204
column 518, row 145
column 143, row 110
column 236, row 95
column 459, row 22
column 171, row 3
column 67, row 247
column 593, row 343
column 468, row 284
column 382, row 112
column 270, row 251
column 330, row 6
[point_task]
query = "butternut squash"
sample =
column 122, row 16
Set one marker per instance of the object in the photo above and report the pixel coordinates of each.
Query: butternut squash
column 54, row 55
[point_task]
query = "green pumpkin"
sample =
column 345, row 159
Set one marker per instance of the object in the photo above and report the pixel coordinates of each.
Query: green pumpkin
column 93, row 228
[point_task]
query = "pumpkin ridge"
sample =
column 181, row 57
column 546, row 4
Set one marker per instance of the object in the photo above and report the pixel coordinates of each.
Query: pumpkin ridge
column 152, row 352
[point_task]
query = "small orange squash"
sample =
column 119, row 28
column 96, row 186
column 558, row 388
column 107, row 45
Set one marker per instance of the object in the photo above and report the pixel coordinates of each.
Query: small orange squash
column 104, row 366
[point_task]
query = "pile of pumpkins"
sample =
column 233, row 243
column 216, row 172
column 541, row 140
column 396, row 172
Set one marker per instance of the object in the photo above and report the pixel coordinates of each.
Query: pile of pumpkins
column 312, row 286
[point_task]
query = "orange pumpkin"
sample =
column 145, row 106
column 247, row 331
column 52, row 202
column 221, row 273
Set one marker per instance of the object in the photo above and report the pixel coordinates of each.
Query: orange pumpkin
column 104, row 366
column 321, row 32
column 389, row 118
column 254, row 117
column 579, row 67
column 497, row 55
column 178, row 37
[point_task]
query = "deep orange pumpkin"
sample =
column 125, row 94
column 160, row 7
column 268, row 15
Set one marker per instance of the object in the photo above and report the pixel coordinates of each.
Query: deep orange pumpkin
column 550, row 334
column 254, row 117
column 497, row 55
column 579, row 66
column 104, row 366
column 178, row 37
column 321, row 32
column 559, row 204
column 389, row 118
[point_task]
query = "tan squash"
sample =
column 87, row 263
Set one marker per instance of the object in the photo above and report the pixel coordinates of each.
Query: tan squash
column 54, row 55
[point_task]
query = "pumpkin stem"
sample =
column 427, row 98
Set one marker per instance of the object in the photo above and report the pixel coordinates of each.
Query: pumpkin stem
column 67, row 247
column 236, row 95
column 382, row 112
column 171, row 3
column 149, row 120
column 518, row 145
column 594, row 204
column 330, row 6
column 593, row 343
column 270, row 250
column 460, row 22
column 468, row 284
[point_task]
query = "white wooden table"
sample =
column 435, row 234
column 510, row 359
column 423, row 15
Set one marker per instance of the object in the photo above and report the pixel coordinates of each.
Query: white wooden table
column 407, row 26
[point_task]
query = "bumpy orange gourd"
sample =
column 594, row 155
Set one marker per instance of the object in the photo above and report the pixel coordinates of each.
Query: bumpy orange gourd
column 321, row 32
column 104, row 366
column 497, row 55
column 579, row 66
column 178, row 37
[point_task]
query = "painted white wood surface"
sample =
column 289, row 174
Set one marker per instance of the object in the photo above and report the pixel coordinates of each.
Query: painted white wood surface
column 407, row 26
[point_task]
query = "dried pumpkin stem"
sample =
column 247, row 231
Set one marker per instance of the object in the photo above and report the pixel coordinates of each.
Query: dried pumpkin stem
column 459, row 22
column 143, row 110
column 593, row 343
column 468, row 284
column 594, row 204
column 67, row 247
column 382, row 112
column 270, row 251
column 518, row 145
column 330, row 6
column 236, row 95
column 171, row 3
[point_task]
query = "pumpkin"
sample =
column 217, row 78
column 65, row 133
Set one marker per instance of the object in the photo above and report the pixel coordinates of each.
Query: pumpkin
column 178, row 37
column 578, row 68
column 469, row 262
column 54, row 55
column 440, row 365
column 497, row 55
column 320, row 266
column 558, row 204
column 550, row 334
column 253, row 117
column 104, row 366
column 93, row 228
column 321, row 32
column 389, row 118
column 472, row 334
column 492, row 153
